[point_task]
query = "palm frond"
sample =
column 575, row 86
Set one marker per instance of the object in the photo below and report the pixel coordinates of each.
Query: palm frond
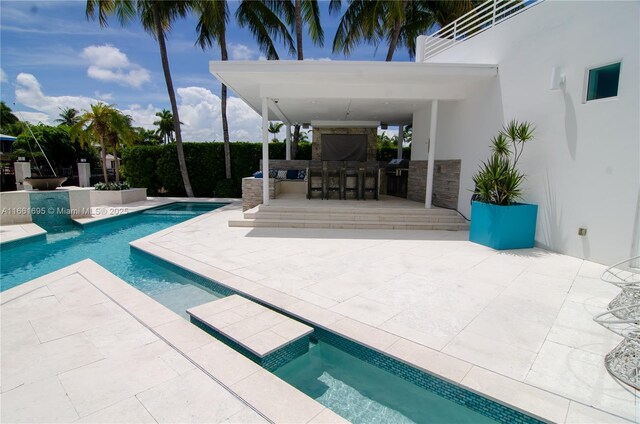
column 311, row 16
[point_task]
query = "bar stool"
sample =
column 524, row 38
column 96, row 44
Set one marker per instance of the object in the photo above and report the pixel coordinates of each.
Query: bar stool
column 351, row 172
column 333, row 177
column 315, row 174
column 371, row 174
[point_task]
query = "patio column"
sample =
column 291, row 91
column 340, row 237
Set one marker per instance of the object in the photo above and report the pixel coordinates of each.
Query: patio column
column 288, row 141
column 400, row 140
column 432, row 152
column 265, row 151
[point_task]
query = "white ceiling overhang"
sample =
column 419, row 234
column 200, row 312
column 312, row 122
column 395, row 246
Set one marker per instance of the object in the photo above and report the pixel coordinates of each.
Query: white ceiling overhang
column 305, row 91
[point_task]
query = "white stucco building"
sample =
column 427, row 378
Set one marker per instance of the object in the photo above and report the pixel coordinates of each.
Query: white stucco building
column 583, row 168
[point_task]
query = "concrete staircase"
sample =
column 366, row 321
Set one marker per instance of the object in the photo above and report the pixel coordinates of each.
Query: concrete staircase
column 380, row 218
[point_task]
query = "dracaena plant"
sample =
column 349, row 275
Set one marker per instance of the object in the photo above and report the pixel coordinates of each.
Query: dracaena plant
column 498, row 180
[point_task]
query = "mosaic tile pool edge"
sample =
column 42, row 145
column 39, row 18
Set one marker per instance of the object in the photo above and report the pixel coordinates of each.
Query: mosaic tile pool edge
column 450, row 391
column 423, row 379
column 270, row 362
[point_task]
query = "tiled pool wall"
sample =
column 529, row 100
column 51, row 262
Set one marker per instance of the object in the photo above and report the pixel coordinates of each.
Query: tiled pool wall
column 22, row 241
column 51, row 209
column 270, row 362
column 423, row 379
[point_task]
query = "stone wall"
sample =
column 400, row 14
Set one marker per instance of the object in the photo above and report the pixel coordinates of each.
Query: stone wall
column 252, row 192
column 286, row 164
column 372, row 140
column 446, row 182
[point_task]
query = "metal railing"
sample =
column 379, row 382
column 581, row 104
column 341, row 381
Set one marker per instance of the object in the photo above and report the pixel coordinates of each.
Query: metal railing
column 487, row 15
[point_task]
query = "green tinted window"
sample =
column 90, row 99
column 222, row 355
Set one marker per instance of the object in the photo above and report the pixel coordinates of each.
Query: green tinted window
column 603, row 82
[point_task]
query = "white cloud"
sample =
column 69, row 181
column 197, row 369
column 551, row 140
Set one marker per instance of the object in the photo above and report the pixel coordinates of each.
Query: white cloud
column 106, row 56
column 29, row 93
column 142, row 116
column 241, row 52
column 3, row 76
column 108, row 63
column 106, row 97
column 35, row 117
column 199, row 110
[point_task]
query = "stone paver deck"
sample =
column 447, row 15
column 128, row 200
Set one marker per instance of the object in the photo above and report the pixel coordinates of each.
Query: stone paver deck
column 520, row 319
column 19, row 232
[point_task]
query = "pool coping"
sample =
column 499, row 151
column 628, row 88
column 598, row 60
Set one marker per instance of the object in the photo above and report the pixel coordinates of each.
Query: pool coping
column 520, row 396
column 29, row 231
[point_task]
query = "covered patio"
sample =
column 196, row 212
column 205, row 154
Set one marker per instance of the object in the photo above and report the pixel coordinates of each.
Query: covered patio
column 352, row 100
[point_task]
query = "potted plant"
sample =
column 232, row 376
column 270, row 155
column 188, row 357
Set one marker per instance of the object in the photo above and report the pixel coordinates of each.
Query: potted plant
column 497, row 220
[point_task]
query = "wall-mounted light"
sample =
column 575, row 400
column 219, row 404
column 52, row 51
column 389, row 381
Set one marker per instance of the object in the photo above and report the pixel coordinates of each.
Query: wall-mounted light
column 22, row 159
column 384, row 126
column 557, row 79
column 83, row 160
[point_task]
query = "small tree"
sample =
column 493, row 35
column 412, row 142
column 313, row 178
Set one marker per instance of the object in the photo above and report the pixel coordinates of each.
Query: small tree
column 68, row 116
column 274, row 128
column 92, row 127
column 165, row 125
column 498, row 180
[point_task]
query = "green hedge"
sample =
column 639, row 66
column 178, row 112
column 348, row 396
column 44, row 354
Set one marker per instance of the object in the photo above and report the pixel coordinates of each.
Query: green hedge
column 156, row 167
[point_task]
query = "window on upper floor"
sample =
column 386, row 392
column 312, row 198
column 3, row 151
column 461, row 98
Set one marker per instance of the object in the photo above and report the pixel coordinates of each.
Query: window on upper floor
column 603, row 81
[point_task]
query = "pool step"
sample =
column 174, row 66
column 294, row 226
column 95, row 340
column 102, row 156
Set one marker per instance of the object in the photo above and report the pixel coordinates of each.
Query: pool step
column 265, row 336
column 381, row 218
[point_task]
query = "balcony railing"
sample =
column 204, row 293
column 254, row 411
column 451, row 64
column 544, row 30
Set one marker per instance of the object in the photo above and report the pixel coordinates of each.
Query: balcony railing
column 472, row 23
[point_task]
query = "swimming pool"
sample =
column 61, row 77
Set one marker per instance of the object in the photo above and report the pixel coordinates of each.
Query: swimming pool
column 360, row 384
column 107, row 243
column 340, row 382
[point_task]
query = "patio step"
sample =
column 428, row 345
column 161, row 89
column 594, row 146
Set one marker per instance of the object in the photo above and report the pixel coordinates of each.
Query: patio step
column 352, row 218
column 264, row 336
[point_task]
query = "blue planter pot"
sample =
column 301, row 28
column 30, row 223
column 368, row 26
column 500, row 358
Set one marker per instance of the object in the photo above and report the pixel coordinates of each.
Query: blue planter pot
column 503, row 227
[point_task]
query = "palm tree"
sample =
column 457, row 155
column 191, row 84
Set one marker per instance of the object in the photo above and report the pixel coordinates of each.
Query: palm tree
column 397, row 22
column 68, row 116
column 119, row 132
column 94, row 125
column 212, row 27
column 165, row 125
column 274, row 128
column 9, row 123
column 270, row 20
column 6, row 115
column 156, row 18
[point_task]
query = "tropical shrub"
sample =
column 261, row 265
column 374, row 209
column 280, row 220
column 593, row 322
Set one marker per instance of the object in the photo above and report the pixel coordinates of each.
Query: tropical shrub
column 156, row 167
column 112, row 186
column 498, row 181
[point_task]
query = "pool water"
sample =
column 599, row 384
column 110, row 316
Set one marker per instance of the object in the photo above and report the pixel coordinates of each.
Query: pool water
column 107, row 243
column 343, row 383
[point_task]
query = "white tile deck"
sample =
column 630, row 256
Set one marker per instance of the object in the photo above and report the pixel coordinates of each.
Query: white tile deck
column 444, row 305
column 500, row 312
column 249, row 324
column 19, row 232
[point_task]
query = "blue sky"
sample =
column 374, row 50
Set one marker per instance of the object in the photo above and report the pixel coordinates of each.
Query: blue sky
column 52, row 57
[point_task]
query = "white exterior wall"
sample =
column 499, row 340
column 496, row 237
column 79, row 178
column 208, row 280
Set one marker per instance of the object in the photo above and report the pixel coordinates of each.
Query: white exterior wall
column 583, row 168
column 420, row 134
